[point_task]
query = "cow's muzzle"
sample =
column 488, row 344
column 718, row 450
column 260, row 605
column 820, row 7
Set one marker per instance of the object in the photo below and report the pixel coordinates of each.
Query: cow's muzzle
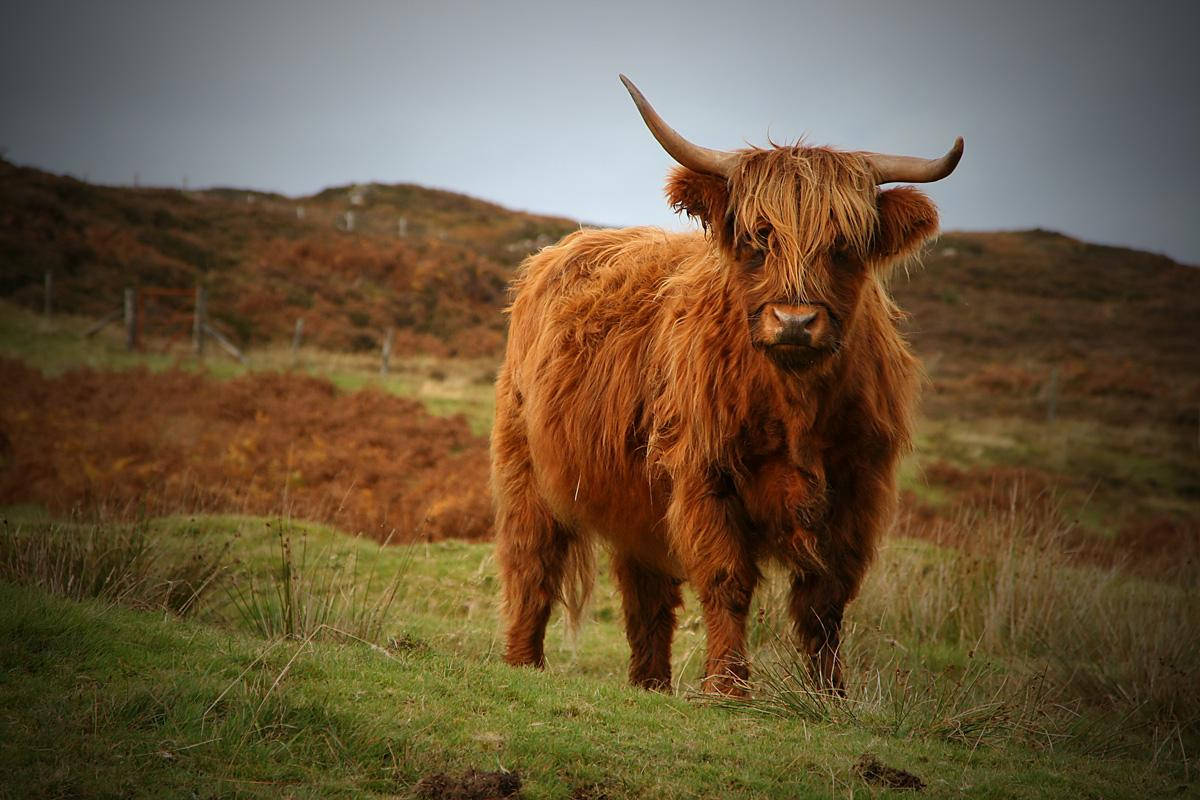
column 785, row 325
column 795, row 335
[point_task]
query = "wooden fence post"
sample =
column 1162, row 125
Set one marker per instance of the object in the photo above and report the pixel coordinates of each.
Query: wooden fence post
column 387, row 351
column 130, row 319
column 297, row 337
column 198, row 319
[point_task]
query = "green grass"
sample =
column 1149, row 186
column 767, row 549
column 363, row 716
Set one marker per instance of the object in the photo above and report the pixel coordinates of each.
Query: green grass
column 1001, row 667
column 1105, row 475
column 57, row 345
column 108, row 701
column 445, row 386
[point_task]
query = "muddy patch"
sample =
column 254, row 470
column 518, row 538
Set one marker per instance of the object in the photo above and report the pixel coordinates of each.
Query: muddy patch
column 875, row 772
column 470, row 785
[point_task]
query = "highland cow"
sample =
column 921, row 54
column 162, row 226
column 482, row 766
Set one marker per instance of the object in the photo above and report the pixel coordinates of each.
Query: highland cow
column 706, row 402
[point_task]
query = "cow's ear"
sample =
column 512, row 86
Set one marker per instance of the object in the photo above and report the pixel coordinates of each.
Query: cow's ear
column 907, row 219
column 703, row 197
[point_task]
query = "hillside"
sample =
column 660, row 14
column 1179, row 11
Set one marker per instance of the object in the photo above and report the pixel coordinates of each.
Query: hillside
column 433, row 264
column 1026, row 324
column 1000, row 311
column 174, row 621
column 1015, row 329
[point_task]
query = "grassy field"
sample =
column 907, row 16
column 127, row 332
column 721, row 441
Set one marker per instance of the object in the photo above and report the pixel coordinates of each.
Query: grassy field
column 445, row 386
column 330, row 666
column 1119, row 478
column 992, row 653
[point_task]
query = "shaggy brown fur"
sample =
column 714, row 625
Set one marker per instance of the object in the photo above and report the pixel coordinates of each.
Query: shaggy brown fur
column 704, row 403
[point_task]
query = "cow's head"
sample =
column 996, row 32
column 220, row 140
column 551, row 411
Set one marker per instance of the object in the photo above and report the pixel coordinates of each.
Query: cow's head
column 806, row 230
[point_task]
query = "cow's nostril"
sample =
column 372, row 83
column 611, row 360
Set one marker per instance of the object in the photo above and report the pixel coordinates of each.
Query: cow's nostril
column 803, row 320
column 794, row 324
column 792, row 320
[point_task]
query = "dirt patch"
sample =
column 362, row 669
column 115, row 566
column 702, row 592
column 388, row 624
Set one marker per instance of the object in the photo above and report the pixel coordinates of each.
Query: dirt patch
column 138, row 442
column 471, row 785
column 875, row 772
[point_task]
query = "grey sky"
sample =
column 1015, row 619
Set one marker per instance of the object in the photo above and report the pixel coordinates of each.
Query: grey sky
column 1078, row 116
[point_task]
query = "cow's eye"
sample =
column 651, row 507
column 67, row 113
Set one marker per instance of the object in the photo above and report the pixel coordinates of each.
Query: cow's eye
column 762, row 236
column 840, row 252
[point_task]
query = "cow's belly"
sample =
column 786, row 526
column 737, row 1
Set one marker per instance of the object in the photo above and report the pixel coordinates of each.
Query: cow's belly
column 619, row 506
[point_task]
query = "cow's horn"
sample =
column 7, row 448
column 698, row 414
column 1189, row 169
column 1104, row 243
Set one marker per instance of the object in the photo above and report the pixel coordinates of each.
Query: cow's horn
column 909, row 169
column 692, row 156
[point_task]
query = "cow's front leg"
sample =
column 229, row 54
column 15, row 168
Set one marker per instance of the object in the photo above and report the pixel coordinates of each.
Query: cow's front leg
column 649, row 599
column 725, row 597
column 718, row 558
column 817, row 605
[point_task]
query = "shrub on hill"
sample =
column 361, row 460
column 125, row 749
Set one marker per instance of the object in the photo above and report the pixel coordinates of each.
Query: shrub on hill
column 264, row 443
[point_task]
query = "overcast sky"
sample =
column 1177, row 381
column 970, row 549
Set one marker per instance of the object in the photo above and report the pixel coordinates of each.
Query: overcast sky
column 1082, row 117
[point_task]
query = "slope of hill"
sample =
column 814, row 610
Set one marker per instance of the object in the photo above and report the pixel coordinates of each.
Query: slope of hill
column 1031, row 661
column 1021, row 323
column 1002, row 311
column 352, row 261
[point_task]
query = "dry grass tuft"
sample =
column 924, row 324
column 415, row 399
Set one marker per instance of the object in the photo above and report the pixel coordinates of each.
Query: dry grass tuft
column 315, row 591
column 110, row 562
column 1003, row 636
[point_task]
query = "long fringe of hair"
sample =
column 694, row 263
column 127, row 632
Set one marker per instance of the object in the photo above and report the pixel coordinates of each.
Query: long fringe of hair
column 810, row 198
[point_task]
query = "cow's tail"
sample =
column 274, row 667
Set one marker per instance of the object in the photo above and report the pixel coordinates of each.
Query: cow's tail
column 579, row 576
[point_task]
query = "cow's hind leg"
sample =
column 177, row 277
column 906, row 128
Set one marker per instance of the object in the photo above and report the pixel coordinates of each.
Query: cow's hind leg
column 531, row 546
column 649, row 599
column 817, row 607
column 531, row 549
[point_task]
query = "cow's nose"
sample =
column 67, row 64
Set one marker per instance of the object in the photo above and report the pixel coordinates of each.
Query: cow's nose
column 791, row 320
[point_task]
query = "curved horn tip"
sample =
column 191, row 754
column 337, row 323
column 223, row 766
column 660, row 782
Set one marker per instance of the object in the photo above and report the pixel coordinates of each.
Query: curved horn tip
column 954, row 155
column 692, row 156
column 633, row 90
column 909, row 169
